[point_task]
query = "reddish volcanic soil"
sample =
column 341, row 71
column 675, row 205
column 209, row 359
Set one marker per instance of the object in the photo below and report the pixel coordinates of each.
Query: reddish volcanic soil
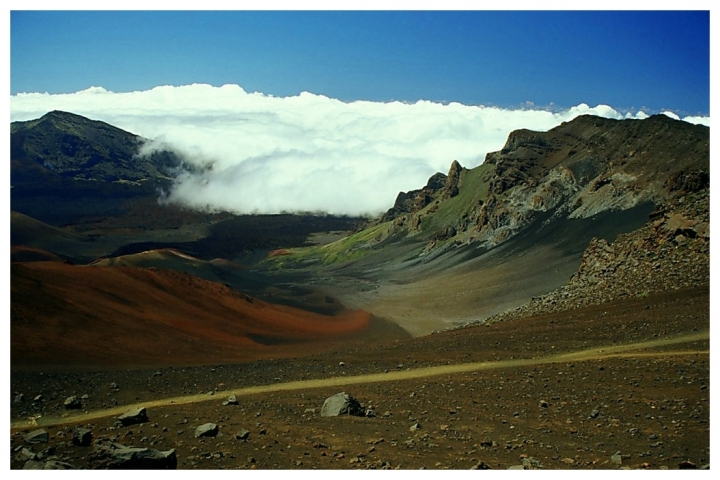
column 69, row 316
column 621, row 385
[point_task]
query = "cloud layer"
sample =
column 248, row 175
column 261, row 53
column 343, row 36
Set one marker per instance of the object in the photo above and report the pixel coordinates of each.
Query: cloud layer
column 307, row 152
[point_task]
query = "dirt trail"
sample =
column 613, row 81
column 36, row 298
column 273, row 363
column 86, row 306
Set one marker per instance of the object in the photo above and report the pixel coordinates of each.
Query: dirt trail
column 595, row 353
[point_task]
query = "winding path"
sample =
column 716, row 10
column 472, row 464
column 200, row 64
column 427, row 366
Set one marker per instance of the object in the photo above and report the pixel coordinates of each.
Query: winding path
column 595, row 353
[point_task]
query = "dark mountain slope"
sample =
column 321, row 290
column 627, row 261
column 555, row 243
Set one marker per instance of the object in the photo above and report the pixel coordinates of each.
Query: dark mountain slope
column 61, row 162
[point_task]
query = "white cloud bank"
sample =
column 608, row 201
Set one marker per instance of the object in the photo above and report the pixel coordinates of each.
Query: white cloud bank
column 307, row 152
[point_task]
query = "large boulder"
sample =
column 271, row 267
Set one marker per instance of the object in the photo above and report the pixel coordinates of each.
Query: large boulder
column 341, row 404
column 207, row 430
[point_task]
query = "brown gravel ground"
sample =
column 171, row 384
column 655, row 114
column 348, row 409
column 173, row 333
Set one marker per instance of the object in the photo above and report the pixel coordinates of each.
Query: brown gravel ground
column 651, row 406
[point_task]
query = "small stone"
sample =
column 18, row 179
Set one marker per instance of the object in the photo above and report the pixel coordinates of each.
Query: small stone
column 72, row 403
column 243, row 435
column 231, row 400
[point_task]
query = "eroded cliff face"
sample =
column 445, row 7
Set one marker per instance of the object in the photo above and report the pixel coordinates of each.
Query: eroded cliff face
column 577, row 170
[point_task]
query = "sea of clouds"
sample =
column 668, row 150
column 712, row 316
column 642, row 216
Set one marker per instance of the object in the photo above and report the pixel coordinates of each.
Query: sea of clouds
column 305, row 153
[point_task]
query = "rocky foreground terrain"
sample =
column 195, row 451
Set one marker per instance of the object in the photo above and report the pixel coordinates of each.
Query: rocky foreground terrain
column 616, row 406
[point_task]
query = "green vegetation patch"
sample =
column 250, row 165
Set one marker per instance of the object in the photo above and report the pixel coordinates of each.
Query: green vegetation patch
column 345, row 250
column 473, row 190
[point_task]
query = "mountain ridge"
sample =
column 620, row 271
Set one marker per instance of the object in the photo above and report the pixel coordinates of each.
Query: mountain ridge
column 577, row 169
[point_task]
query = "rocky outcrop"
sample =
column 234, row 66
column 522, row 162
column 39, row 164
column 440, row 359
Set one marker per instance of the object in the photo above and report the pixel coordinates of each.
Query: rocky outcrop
column 439, row 187
column 452, row 181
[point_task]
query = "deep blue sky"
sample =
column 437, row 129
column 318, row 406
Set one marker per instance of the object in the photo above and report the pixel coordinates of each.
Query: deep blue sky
column 626, row 59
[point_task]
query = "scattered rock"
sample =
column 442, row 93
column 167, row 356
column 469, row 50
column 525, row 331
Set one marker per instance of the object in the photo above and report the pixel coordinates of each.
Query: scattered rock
column 36, row 436
column 243, row 435
column 72, row 403
column 231, row 400
column 341, row 404
column 82, row 437
column 57, row 465
column 530, row 463
column 33, row 465
column 26, row 454
column 207, row 430
column 110, row 455
column 133, row 416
